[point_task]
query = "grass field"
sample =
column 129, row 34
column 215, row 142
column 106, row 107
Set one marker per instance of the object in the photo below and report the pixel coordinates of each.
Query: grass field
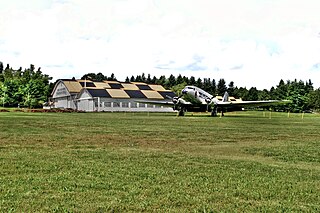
column 133, row 162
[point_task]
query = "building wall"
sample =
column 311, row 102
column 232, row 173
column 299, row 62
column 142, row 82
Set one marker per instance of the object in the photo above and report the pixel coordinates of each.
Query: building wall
column 62, row 97
column 118, row 105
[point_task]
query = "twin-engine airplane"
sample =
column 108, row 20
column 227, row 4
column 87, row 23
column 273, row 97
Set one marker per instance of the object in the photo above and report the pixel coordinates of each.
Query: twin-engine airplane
column 194, row 99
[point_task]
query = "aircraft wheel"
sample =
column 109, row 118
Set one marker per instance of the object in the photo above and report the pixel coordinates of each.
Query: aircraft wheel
column 181, row 113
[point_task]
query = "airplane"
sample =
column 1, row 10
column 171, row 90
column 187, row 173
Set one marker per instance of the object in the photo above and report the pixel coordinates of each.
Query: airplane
column 194, row 99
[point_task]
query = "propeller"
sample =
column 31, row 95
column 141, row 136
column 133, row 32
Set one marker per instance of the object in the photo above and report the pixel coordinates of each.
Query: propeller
column 175, row 99
column 208, row 101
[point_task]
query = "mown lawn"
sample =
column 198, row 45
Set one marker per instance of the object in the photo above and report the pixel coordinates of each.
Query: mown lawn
column 133, row 162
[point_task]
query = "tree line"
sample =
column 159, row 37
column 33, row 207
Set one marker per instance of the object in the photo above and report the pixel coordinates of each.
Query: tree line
column 31, row 88
column 302, row 94
column 26, row 88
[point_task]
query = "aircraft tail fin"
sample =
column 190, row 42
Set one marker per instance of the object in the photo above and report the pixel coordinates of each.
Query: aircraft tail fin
column 225, row 97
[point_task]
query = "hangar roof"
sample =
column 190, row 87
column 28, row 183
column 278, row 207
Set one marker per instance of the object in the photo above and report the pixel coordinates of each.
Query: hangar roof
column 152, row 94
column 128, row 86
column 156, row 87
column 116, row 89
column 101, row 85
column 73, row 86
column 99, row 93
column 117, row 93
column 164, row 94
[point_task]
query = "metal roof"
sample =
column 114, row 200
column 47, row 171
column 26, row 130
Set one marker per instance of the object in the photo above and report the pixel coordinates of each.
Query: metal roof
column 116, row 89
column 99, row 93
column 135, row 94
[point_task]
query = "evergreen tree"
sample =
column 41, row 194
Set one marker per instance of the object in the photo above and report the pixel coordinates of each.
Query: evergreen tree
column 192, row 81
column 242, row 93
column 213, row 87
column 171, row 81
column 185, row 80
column 143, row 78
column 139, row 78
column 221, row 87
column 207, row 84
column 161, row 81
column 112, row 77
column 154, row 79
column 179, row 79
column 253, row 94
column 1, row 67
column 231, row 88
column 264, row 95
column 149, row 80
column 199, row 83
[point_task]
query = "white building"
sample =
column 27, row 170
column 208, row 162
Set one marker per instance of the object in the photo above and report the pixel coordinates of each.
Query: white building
column 111, row 96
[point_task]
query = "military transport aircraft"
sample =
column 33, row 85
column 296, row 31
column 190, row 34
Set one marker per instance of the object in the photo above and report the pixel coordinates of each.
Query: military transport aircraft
column 194, row 99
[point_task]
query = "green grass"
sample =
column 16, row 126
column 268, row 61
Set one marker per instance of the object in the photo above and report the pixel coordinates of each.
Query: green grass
column 133, row 162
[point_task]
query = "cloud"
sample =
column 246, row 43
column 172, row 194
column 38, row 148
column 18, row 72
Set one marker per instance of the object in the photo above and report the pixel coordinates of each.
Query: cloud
column 254, row 43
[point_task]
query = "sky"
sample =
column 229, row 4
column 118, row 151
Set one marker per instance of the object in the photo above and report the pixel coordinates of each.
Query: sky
column 254, row 43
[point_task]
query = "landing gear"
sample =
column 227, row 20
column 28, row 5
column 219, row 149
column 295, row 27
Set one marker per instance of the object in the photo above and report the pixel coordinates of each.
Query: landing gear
column 181, row 112
column 214, row 111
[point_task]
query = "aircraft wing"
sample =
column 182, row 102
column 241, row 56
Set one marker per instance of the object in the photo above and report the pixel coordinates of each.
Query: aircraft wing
column 252, row 103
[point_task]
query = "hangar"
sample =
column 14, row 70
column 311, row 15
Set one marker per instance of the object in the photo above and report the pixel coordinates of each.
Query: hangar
column 112, row 96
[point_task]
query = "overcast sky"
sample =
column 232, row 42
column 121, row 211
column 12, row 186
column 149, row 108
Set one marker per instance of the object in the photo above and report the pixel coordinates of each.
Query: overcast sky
column 251, row 42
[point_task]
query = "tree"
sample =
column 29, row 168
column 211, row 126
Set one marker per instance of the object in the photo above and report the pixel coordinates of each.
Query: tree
column 253, row 94
column 230, row 89
column 112, row 78
column 171, row 81
column 178, row 88
column 207, row 84
column 29, row 87
column 143, row 78
column 242, row 92
column 185, row 79
column 100, row 77
column 314, row 100
column 179, row 79
column 192, row 81
column 1, row 67
column 199, row 83
column 221, row 87
column 149, row 80
column 213, row 87
column 91, row 76
column 263, row 95
column 154, row 79
column 138, row 78
column 162, row 81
